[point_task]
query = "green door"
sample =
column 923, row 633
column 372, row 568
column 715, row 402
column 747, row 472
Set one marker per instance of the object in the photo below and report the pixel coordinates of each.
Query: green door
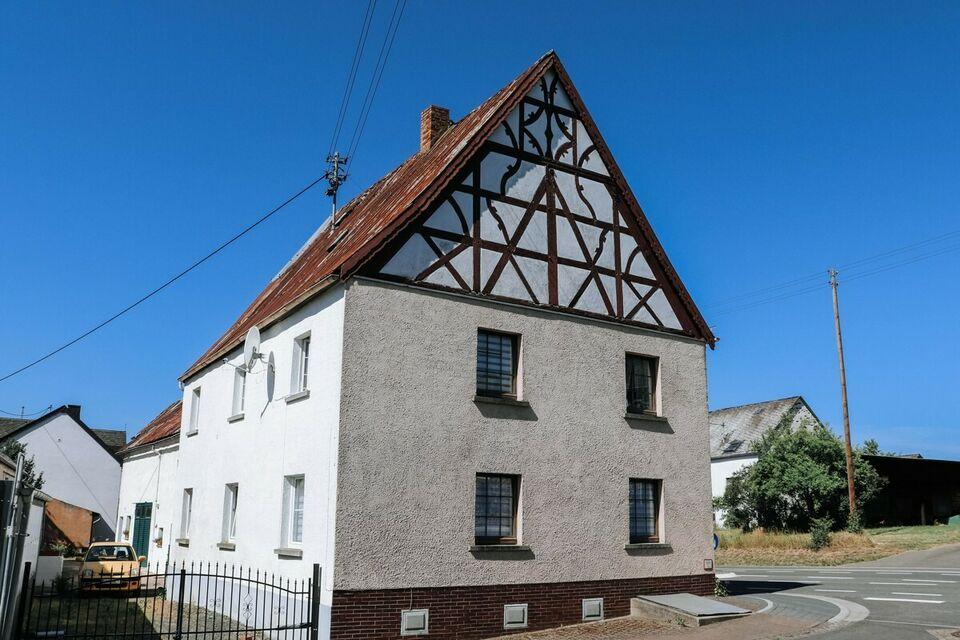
column 141, row 528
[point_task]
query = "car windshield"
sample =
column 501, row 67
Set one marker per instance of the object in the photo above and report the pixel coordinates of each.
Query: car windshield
column 110, row 552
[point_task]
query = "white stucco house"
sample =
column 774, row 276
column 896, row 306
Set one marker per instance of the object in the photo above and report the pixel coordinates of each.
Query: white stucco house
column 481, row 404
column 149, row 499
column 80, row 465
column 733, row 431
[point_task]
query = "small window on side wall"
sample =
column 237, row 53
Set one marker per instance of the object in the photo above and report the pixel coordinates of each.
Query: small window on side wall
column 642, row 384
column 231, row 494
column 644, row 510
column 301, row 364
column 239, row 391
column 495, row 512
column 497, row 364
column 293, row 499
column 194, row 411
column 186, row 513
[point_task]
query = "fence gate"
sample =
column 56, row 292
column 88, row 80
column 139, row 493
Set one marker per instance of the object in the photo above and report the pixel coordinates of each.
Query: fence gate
column 210, row 601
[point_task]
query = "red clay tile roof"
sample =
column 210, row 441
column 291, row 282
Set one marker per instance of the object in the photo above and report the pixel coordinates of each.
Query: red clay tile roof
column 369, row 214
column 374, row 216
column 163, row 426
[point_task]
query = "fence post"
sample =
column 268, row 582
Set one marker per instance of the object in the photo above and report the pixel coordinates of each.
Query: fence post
column 25, row 592
column 183, row 581
column 315, row 603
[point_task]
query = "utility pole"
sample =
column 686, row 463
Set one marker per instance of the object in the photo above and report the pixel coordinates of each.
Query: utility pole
column 851, row 492
column 335, row 176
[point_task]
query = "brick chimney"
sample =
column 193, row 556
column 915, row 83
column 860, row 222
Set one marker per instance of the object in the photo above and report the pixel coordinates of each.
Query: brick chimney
column 434, row 121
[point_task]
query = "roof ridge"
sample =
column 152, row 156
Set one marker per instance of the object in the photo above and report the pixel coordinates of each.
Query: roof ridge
column 754, row 404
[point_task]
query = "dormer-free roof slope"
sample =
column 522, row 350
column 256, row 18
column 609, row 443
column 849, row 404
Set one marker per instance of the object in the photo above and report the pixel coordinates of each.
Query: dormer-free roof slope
column 378, row 221
column 165, row 425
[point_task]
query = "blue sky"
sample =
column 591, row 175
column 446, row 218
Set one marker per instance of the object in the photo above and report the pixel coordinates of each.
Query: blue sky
column 765, row 141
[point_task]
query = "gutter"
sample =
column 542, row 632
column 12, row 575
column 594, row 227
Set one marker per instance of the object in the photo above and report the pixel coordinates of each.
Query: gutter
column 324, row 283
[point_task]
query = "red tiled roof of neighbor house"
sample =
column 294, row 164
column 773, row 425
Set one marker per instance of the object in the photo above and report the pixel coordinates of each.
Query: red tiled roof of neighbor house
column 381, row 211
column 163, row 426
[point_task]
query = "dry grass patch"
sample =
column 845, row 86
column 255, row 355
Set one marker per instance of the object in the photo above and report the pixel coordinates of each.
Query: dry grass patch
column 766, row 548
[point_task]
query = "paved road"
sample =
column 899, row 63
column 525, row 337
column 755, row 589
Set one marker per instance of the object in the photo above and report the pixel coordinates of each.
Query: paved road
column 911, row 596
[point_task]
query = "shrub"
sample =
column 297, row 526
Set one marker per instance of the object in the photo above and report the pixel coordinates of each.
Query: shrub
column 854, row 525
column 820, row 533
column 800, row 474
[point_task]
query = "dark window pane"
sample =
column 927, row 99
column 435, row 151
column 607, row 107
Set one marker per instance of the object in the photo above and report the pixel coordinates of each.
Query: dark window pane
column 496, row 363
column 644, row 509
column 496, row 507
column 641, row 384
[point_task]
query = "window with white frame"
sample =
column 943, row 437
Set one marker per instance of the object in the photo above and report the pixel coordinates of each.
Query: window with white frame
column 230, row 494
column 301, row 364
column 239, row 391
column 194, row 411
column 293, row 497
column 186, row 513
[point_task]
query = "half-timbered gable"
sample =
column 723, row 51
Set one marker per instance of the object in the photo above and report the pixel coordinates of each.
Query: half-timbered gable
column 540, row 216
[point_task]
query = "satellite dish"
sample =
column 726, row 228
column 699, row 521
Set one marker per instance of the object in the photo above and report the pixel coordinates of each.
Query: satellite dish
column 251, row 347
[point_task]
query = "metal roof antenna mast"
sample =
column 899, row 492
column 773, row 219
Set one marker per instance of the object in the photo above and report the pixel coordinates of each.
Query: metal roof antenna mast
column 335, row 176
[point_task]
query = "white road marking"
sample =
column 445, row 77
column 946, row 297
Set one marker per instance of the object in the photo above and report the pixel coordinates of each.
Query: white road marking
column 894, row 584
column 916, row 624
column 894, row 573
column 908, row 593
column 849, row 611
column 906, row 600
column 725, row 576
column 835, row 590
column 925, row 580
column 831, row 577
column 768, row 606
column 750, row 575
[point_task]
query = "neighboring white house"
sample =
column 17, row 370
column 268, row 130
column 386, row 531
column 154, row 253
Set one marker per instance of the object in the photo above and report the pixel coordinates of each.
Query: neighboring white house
column 734, row 430
column 149, row 499
column 481, row 403
column 79, row 464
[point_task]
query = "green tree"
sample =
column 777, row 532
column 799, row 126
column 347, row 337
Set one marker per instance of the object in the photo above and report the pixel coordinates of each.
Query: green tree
column 800, row 475
column 12, row 450
column 872, row 448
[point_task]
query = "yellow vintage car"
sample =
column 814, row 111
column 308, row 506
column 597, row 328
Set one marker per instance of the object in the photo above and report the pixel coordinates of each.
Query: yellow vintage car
column 110, row 566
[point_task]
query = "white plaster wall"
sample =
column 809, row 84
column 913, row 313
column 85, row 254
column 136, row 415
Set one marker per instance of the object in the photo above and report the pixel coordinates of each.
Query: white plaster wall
column 76, row 469
column 721, row 471
column 150, row 475
column 275, row 439
column 412, row 441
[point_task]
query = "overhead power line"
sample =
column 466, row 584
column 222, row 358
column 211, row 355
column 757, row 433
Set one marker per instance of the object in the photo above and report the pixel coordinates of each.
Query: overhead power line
column 23, row 414
column 858, row 272
column 352, row 75
column 166, row 284
column 819, row 274
column 375, row 78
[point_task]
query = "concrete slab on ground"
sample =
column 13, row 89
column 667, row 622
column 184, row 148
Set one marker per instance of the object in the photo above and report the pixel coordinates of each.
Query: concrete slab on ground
column 693, row 611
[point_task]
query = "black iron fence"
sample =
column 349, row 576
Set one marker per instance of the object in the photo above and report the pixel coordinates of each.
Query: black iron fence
column 206, row 600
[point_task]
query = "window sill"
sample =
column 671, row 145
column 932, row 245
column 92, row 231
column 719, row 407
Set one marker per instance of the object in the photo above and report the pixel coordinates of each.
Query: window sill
column 505, row 402
column 190, row 434
column 649, row 546
column 227, row 546
column 235, row 418
column 287, row 552
column 500, row 548
column 299, row 395
column 183, row 542
column 648, row 417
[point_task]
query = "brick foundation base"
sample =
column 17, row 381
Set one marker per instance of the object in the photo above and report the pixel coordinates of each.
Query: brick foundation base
column 468, row 613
